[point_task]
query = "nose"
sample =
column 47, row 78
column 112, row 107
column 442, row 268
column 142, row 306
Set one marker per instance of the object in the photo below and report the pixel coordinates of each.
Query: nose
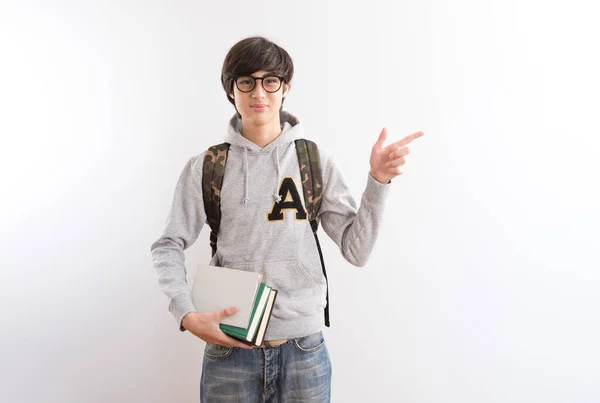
column 258, row 91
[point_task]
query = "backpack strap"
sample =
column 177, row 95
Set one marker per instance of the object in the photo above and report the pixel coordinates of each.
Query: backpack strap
column 213, row 170
column 309, row 160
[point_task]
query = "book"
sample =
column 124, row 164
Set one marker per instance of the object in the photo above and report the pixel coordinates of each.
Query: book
column 216, row 288
column 247, row 334
column 254, row 334
column 265, row 319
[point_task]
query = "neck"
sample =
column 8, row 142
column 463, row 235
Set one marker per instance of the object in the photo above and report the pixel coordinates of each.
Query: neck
column 262, row 135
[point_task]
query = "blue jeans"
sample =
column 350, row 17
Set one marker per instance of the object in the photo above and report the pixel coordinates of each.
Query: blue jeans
column 296, row 371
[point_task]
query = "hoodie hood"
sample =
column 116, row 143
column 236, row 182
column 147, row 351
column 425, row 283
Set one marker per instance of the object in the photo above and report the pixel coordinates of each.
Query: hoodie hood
column 290, row 131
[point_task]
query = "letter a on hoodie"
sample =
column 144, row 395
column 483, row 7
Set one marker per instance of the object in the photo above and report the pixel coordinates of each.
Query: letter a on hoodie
column 287, row 187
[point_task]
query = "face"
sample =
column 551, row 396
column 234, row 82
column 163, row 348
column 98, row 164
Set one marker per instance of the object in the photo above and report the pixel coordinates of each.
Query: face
column 258, row 106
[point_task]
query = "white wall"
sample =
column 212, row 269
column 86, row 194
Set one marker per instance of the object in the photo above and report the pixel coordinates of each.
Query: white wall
column 484, row 284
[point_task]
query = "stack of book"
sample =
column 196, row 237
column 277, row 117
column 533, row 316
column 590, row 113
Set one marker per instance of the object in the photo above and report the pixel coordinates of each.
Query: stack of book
column 217, row 288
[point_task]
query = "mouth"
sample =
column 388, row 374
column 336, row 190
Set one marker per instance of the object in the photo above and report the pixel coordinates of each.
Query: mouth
column 259, row 107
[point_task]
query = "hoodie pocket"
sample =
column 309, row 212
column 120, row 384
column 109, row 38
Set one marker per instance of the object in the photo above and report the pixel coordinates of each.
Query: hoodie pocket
column 297, row 291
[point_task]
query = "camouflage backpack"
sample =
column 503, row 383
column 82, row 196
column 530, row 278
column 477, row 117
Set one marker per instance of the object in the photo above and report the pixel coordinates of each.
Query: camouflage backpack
column 309, row 162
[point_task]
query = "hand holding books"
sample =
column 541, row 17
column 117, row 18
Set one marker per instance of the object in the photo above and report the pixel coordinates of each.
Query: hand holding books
column 206, row 327
column 217, row 287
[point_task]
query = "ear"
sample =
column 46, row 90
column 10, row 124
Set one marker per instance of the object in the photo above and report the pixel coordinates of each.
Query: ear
column 231, row 96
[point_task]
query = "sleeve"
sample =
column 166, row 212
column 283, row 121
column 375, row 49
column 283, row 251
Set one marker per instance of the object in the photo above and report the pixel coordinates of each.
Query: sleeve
column 184, row 223
column 354, row 230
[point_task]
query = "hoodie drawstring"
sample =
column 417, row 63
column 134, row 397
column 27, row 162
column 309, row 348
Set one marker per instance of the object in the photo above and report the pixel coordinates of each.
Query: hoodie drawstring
column 246, row 198
column 276, row 194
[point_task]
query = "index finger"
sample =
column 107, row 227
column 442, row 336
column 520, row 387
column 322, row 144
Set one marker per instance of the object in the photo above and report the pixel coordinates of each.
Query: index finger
column 408, row 139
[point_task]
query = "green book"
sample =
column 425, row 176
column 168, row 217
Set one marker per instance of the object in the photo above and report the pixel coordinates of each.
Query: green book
column 248, row 334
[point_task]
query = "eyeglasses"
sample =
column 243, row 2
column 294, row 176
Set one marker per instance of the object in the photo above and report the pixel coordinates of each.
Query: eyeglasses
column 269, row 83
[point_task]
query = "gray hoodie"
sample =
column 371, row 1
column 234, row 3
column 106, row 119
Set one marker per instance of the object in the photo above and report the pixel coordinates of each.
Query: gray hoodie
column 283, row 250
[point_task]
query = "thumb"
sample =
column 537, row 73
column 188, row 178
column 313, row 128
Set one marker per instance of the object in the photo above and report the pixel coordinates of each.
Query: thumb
column 226, row 312
column 381, row 139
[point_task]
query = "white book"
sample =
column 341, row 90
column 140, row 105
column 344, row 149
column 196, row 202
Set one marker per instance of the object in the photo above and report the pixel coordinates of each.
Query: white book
column 217, row 288
column 258, row 315
column 265, row 320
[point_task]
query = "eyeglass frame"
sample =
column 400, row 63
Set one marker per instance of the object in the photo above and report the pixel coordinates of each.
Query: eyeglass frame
column 281, row 81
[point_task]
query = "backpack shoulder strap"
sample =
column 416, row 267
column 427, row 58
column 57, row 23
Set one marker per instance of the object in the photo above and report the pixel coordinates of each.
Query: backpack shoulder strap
column 213, row 171
column 309, row 161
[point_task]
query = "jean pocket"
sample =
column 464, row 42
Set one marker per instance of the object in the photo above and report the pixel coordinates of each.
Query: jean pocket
column 216, row 351
column 311, row 343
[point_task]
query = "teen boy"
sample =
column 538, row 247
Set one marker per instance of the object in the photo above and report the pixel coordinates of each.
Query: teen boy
column 264, row 228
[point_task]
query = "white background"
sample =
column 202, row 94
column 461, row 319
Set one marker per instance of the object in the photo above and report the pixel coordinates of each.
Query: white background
column 484, row 284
